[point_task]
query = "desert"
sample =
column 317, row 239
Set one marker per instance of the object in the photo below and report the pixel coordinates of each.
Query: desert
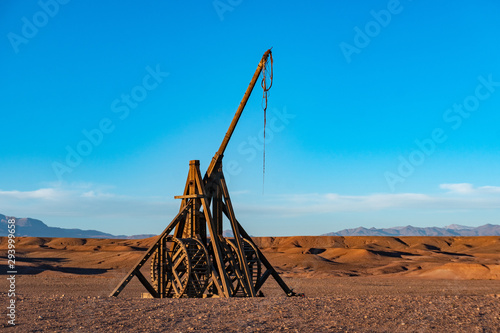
column 351, row 284
column 250, row 166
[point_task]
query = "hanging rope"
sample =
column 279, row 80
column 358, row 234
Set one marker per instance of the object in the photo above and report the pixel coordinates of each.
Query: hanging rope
column 267, row 75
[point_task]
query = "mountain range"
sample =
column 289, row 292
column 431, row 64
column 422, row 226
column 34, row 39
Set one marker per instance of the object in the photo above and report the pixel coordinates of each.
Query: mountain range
column 29, row 227
column 451, row 230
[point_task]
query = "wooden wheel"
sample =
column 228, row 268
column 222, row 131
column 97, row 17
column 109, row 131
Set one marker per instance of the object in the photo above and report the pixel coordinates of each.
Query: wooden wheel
column 253, row 262
column 186, row 268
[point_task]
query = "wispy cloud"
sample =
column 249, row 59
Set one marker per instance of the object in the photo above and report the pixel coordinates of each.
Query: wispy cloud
column 466, row 188
column 79, row 200
column 41, row 194
column 485, row 197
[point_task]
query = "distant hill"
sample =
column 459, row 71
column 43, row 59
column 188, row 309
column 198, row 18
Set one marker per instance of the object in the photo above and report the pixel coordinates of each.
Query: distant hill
column 28, row 227
column 451, row 230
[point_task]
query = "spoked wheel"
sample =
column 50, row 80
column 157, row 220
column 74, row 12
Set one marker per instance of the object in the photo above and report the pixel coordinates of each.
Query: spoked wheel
column 186, row 268
column 253, row 262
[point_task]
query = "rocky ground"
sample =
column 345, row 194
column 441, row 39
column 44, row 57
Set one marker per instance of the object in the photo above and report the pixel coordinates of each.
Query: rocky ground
column 65, row 289
column 356, row 304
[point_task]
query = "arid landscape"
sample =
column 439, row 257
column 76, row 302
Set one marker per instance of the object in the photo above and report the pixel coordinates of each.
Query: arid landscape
column 351, row 284
column 370, row 126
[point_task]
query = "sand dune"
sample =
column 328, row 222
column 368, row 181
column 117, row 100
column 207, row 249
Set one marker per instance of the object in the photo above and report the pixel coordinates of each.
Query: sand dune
column 425, row 257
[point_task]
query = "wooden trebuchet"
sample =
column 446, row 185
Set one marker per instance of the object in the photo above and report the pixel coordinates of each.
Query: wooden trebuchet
column 197, row 260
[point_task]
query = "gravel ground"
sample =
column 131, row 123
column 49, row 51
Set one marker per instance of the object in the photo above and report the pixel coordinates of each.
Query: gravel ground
column 76, row 304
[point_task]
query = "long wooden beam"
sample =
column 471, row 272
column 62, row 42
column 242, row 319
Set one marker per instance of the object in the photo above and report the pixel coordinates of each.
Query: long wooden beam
column 218, row 155
column 247, row 283
column 214, row 238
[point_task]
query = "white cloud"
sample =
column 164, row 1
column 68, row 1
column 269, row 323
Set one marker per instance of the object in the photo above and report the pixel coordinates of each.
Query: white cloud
column 466, row 188
column 490, row 189
column 43, row 194
column 99, row 195
column 486, row 197
column 88, row 201
column 462, row 188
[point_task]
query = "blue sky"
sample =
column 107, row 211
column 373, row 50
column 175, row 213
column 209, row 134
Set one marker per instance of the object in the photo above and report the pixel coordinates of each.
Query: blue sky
column 382, row 113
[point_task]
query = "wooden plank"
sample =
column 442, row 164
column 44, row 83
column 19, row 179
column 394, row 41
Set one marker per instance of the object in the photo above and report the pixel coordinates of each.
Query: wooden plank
column 262, row 280
column 146, row 283
column 216, row 280
column 214, row 238
column 247, row 281
column 188, row 196
column 160, row 269
column 220, row 153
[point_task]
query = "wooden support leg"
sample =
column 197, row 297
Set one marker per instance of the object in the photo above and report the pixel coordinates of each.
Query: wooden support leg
column 262, row 280
column 267, row 264
column 247, row 281
column 214, row 238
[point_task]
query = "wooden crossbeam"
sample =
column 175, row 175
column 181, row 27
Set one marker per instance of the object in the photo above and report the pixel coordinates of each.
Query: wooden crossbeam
column 189, row 196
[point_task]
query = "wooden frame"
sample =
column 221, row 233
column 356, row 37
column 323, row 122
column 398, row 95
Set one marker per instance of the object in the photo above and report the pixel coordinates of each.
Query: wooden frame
column 204, row 203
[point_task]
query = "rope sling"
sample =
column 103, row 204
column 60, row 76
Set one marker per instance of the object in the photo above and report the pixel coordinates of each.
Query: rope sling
column 267, row 75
